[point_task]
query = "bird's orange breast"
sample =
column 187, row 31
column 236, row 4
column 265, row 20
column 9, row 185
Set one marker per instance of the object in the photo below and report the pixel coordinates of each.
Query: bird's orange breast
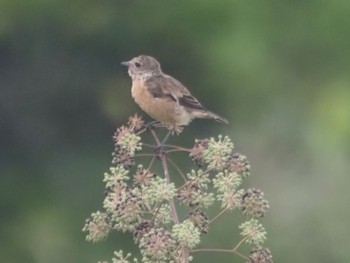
column 161, row 109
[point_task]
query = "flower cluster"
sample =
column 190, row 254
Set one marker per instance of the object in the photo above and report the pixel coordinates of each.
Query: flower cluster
column 186, row 234
column 239, row 164
column 253, row 232
column 127, row 142
column 217, row 153
column 199, row 219
column 157, row 245
column 197, row 151
column 253, row 203
column 97, row 227
column 227, row 184
column 120, row 258
column 260, row 255
column 141, row 201
column 194, row 193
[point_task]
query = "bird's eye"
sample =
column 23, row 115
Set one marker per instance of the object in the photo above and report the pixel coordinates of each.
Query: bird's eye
column 137, row 64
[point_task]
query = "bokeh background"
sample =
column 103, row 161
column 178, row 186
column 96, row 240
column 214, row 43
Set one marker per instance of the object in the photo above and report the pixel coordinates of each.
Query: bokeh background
column 278, row 70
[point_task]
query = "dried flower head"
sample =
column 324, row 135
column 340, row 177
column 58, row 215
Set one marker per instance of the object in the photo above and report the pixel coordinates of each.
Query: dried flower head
column 126, row 143
column 200, row 220
column 119, row 134
column 142, row 228
column 238, row 163
column 194, row 195
column 188, row 194
column 174, row 128
column 157, row 245
column 260, row 255
column 113, row 196
column 196, row 153
column 253, row 204
column 123, row 158
column 142, row 176
column 127, row 212
column 135, row 123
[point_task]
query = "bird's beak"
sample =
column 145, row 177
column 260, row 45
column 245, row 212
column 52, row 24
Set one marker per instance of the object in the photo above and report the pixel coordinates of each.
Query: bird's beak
column 125, row 63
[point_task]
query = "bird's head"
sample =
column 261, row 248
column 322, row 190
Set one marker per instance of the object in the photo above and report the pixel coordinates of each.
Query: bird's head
column 142, row 67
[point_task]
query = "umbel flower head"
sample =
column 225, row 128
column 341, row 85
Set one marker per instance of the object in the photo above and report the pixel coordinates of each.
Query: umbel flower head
column 217, row 152
column 126, row 144
column 143, row 228
column 97, row 227
column 253, row 232
column 196, row 153
column 186, row 234
column 260, row 255
column 253, row 204
column 213, row 152
column 135, row 123
column 239, row 164
column 200, row 220
column 143, row 176
column 145, row 201
column 157, row 245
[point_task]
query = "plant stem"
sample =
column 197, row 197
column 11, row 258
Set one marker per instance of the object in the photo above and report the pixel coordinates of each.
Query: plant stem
column 148, row 145
column 219, row 250
column 233, row 250
column 151, row 163
column 177, row 147
column 167, row 176
column 177, row 168
column 218, row 215
column 163, row 159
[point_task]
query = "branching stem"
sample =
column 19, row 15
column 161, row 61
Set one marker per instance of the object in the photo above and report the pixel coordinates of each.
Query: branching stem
column 177, row 147
column 163, row 158
column 233, row 250
column 218, row 215
column 177, row 168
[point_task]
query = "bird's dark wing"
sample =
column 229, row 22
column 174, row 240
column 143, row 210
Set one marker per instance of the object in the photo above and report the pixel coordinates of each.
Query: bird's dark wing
column 165, row 86
column 156, row 86
column 191, row 102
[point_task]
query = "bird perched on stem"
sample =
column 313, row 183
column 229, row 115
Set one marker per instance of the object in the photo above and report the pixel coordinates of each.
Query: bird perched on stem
column 163, row 97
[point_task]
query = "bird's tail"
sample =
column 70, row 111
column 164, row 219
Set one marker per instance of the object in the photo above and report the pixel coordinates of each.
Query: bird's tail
column 218, row 118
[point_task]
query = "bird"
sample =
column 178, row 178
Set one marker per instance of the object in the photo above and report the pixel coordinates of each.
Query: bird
column 163, row 97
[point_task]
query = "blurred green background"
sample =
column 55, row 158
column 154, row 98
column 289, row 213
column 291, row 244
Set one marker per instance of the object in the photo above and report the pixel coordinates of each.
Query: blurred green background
column 278, row 70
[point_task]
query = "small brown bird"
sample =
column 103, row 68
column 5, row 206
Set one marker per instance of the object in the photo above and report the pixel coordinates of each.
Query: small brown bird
column 161, row 96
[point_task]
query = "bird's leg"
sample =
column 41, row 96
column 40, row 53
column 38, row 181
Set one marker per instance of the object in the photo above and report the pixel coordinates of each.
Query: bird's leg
column 172, row 129
column 160, row 146
column 166, row 137
column 151, row 125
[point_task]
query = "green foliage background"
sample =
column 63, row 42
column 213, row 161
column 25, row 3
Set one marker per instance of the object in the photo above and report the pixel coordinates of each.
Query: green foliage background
column 278, row 70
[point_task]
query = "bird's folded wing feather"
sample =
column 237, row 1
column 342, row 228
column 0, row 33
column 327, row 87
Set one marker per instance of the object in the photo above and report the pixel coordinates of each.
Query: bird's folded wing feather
column 169, row 88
